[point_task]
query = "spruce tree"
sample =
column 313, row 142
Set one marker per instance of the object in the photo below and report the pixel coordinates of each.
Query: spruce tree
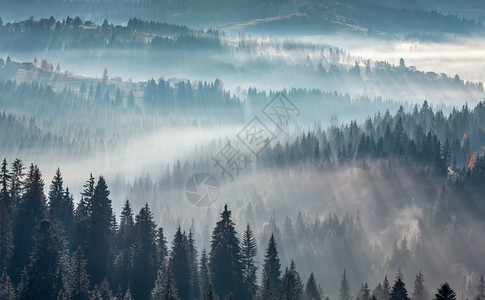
column 7, row 289
column 162, row 246
column 419, row 292
column 82, row 214
column 16, row 182
column 99, row 232
column 381, row 293
column 194, row 267
column 267, row 290
column 311, row 289
column 118, row 294
column 30, row 211
column 364, row 292
column 68, row 217
column 225, row 258
column 209, row 294
column 248, row 252
column 272, row 265
column 78, row 277
column 102, row 292
column 45, row 273
column 5, row 178
column 126, row 237
column 399, row 291
column 56, row 197
column 128, row 295
column 291, row 285
column 297, row 275
column 164, row 288
column 344, row 288
column 386, row 289
column 180, row 264
column 204, row 274
column 61, row 207
column 145, row 255
column 481, row 289
column 6, row 235
column 445, row 292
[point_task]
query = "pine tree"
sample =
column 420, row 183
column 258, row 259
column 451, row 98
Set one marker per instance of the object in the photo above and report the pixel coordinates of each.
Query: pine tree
column 267, row 290
column 45, row 273
column 99, row 232
column 194, row 267
column 30, row 211
column 6, row 235
column 248, row 252
column 128, row 295
column 205, row 278
column 162, row 246
column 118, row 294
column 378, row 292
column 419, row 292
column 399, row 274
column 297, row 275
column 164, row 288
column 225, row 258
column 126, row 237
column 386, row 289
column 344, row 288
column 209, row 294
column 311, row 289
column 292, row 287
column 56, row 196
column 364, row 292
column 272, row 265
column 78, row 278
column 445, row 292
column 180, row 264
column 145, row 255
column 82, row 214
column 399, row 291
column 102, row 292
column 61, row 208
column 405, row 253
column 7, row 289
column 4, row 181
column 395, row 259
column 16, row 182
column 481, row 289
column 130, row 103
column 118, row 100
column 68, row 217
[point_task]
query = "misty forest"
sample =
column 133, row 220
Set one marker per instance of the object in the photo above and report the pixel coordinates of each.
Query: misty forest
column 230, row 149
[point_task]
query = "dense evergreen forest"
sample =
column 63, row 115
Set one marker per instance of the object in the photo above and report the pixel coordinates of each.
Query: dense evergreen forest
column 218, row 54
column 433, row 143
column 242, row 149
column 51, row 249
column 75, row 33
column 372, row 18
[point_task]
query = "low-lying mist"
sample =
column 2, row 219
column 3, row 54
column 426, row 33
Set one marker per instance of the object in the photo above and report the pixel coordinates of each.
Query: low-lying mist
column 458, row 55
column 376, row 206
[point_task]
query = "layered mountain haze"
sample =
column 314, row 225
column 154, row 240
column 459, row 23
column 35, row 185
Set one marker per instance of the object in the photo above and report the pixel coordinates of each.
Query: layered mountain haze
column 199, row 150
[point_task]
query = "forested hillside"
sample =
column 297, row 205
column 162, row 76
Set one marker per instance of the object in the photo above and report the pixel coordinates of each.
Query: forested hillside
column 52, row 248
column 242, row 149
